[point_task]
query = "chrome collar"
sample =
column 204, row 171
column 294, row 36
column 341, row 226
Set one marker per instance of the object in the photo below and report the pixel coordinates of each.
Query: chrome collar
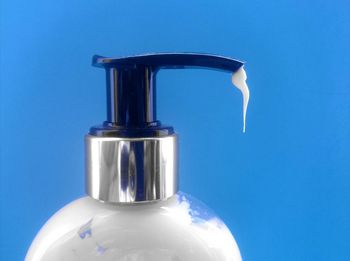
column 126, row 170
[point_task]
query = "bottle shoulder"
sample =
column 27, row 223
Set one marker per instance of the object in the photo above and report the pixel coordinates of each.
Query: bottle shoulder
column 160, row 230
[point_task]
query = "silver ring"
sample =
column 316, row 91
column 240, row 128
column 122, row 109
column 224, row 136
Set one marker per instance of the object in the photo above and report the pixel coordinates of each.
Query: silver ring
column 126, row 170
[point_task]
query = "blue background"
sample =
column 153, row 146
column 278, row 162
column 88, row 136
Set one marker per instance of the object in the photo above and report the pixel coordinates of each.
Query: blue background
column 283, row 188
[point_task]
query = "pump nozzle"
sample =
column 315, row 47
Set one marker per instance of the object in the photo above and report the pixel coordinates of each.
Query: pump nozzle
column 132, row 157
column 131, row 89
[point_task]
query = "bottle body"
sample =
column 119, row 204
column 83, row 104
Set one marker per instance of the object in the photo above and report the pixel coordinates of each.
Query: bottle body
column 180, row 228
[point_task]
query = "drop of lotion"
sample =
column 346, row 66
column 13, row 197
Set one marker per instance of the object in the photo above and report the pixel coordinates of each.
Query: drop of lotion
column 239, row 80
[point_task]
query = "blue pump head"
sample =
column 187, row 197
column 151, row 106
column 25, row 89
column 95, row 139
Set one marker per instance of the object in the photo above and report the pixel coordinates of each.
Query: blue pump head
column 131, row 90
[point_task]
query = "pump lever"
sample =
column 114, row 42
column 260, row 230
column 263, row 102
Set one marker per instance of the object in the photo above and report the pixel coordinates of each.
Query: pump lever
column 170, row 61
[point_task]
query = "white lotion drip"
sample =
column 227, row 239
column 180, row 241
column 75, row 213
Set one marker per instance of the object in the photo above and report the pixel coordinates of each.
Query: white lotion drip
column 239, row 80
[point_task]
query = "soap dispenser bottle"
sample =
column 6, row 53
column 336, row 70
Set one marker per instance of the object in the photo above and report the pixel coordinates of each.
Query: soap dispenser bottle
column 133, row 210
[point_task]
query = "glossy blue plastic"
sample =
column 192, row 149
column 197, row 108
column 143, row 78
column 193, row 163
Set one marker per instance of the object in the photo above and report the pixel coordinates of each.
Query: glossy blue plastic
column 131, row 90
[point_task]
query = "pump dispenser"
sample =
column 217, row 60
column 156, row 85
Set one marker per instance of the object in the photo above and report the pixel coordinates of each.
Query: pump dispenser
column 134, row 211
